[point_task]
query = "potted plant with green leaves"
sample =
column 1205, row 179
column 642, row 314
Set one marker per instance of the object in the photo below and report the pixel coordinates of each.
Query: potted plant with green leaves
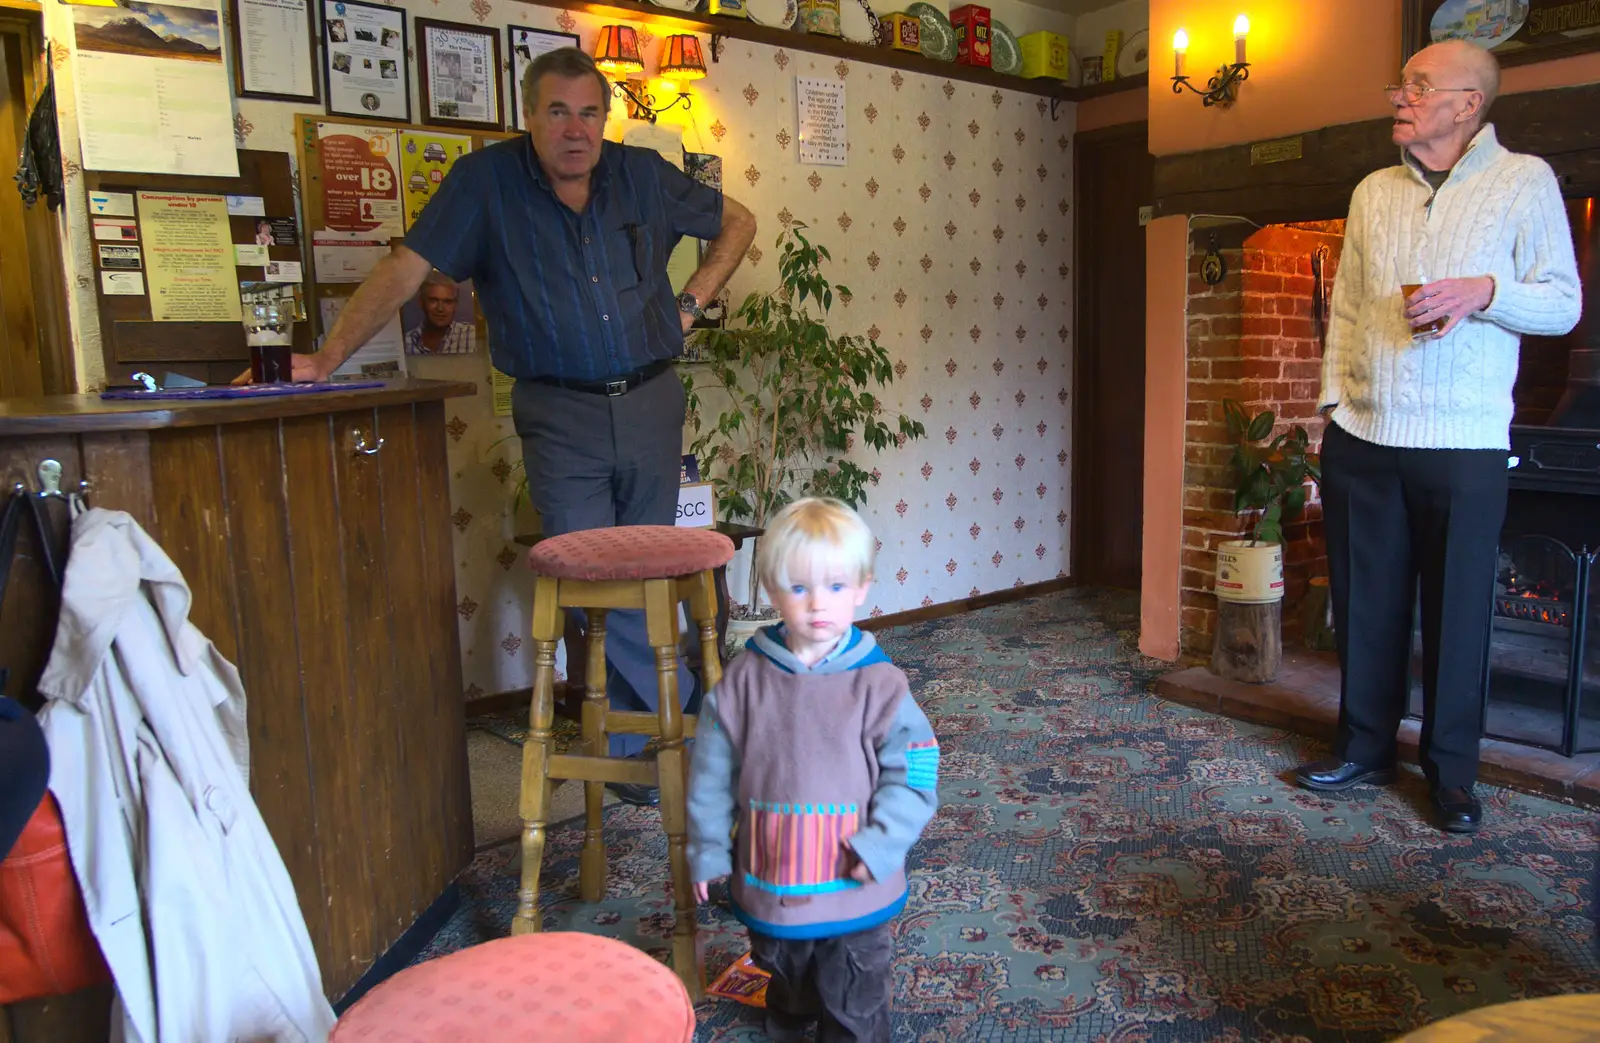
column 778, row 400
column 1269, row 474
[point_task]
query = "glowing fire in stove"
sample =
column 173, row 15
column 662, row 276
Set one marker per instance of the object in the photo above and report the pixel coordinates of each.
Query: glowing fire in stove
column 1539, row 603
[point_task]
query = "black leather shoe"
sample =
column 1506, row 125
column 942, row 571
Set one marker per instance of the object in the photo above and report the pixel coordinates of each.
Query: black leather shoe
column 632, row 793
column 1456, row 809
column 1332, row 775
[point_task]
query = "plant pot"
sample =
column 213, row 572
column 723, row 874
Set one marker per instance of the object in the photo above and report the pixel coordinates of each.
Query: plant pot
column 742, row 630
column 1249, row 587
column 1249, row 573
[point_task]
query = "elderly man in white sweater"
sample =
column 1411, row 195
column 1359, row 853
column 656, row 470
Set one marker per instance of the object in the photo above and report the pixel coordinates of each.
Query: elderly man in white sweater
column 1414, row 455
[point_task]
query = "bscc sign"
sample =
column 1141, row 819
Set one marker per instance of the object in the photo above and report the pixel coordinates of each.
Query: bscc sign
column 695, row 507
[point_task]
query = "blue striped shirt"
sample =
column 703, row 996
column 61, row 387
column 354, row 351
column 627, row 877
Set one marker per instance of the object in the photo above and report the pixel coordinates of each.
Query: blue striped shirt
column 580, row 296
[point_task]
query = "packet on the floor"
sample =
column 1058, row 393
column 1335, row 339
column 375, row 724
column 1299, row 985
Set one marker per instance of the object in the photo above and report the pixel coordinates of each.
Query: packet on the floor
column 743, row 982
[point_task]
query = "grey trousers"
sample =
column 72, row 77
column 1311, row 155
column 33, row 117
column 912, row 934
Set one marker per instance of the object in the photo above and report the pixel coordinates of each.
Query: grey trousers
column 593, row 462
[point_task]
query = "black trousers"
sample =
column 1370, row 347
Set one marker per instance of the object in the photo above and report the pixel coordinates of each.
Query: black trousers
column 1400, row 520
column 845, row 984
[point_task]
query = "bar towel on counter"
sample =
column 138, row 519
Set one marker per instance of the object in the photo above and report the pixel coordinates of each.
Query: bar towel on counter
column 186, row 891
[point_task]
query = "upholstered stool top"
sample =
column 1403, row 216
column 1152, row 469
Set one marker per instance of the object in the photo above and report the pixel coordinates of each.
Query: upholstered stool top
column 630, row 552
column 557, row 987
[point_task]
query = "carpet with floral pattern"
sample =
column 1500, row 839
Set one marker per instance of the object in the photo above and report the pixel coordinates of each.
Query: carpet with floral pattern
column 1106, row 865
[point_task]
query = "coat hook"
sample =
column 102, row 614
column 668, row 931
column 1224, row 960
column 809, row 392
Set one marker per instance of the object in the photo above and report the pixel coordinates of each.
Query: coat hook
column 1055, row 104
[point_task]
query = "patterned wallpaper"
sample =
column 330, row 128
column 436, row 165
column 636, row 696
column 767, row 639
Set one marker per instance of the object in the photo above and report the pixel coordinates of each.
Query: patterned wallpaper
column 952, row 226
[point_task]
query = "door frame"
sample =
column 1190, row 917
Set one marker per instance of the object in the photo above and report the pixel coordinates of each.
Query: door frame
column 46, row 267
column 1082, row 249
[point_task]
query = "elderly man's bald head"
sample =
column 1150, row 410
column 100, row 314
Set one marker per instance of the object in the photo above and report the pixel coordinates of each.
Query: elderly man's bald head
column 1458, row 63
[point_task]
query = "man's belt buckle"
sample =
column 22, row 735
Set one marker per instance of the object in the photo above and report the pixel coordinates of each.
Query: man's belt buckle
column 616, row 387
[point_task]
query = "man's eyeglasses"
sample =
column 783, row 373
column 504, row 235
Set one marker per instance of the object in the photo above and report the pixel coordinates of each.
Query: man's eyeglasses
column 1413, row 92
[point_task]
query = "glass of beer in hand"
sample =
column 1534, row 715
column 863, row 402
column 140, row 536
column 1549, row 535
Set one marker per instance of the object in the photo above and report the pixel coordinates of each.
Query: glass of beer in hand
column 1427, row 331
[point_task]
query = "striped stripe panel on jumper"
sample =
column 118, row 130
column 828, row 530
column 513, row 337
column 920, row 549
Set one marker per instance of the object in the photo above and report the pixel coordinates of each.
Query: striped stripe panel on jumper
column 798, row 849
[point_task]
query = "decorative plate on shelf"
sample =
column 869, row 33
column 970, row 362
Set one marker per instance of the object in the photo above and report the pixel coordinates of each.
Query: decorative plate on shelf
column 859, row 23
column 677, row 5
column 1006, row 56
column 774, row 14
column 1135, row 55
column 938, row 38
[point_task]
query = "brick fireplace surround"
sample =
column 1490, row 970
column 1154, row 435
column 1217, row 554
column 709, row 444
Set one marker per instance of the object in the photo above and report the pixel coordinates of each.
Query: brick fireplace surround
column 1251, row 338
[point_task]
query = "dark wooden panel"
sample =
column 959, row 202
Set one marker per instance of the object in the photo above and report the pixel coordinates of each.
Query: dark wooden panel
column 78, row 1017
column 31, row 601
column 1112, row 179
column 141, row 340
column 438, row 569
column 415, row 637
column 268, row 661
column 338, row 761
column 54, row 414
column 1557, row 124
column 191, row 507
column 117, row 464
column 372, row 692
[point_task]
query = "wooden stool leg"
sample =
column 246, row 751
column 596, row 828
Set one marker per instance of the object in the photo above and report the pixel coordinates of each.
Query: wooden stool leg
column 704, row 609
column 661, row 624
column 592, row 863
column 535, row 799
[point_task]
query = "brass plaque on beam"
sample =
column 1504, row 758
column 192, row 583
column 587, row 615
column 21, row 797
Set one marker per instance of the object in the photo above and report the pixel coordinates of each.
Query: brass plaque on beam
column 1279, row 151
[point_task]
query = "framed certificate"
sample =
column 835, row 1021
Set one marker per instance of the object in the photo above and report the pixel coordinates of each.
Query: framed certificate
column 458, row 69
column 526, row 45
column 274, row 50
column 364, row 57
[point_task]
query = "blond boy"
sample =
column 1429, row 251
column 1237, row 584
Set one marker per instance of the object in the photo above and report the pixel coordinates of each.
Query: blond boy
column 814, row 747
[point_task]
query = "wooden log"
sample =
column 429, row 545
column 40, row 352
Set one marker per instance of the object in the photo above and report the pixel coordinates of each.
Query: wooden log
column 1249, row 644
column 1319, row 634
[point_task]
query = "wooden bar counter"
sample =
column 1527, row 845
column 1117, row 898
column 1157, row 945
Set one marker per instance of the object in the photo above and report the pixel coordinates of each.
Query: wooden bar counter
column 325, row 573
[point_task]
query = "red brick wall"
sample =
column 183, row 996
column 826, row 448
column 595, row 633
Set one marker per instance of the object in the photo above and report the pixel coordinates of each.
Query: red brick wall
column 1251, row 338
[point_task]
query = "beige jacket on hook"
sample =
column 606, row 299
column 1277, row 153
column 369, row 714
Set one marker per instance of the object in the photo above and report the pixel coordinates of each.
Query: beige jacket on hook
column 185, row 889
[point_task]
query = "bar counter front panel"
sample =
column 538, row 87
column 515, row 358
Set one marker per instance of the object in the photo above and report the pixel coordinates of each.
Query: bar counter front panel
column 325, row 573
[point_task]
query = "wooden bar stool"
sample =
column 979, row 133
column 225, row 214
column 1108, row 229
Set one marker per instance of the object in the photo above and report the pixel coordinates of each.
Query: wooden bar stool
column 649, row 567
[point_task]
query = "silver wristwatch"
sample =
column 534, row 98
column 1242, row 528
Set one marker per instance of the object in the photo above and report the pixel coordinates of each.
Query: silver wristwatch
column 688, row 302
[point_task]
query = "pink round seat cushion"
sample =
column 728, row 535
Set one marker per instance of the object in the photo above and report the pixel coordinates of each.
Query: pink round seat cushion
column 630, row 552
column 557, row 987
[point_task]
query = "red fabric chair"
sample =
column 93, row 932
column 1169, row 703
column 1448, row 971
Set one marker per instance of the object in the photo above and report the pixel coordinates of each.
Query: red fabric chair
column 560, row 987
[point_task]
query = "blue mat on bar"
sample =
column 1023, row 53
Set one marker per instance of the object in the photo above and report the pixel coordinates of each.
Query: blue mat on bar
column 238, row 391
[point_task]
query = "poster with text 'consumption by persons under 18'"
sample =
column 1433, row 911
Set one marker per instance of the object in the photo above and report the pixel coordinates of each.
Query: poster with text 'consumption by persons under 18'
column 359, row 169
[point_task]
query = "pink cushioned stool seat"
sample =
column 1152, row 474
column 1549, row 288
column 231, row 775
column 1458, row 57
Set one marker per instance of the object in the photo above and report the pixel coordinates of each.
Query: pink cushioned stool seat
column 560, row 987
column 630, row 552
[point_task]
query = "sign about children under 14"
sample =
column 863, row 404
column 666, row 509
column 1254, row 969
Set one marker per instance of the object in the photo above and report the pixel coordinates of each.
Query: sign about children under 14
column 820, row 133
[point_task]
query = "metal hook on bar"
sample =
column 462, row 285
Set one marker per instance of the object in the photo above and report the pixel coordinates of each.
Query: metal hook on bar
column 50, row 480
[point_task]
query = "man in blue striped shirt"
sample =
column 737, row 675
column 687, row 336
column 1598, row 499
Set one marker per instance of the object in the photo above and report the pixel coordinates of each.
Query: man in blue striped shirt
column 566, row 238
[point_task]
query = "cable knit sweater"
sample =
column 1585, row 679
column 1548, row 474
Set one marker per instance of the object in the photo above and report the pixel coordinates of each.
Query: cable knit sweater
column 1497, row 214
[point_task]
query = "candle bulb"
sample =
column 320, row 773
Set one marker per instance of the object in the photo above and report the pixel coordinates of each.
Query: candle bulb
column 1180, row 47
column 1241, row 29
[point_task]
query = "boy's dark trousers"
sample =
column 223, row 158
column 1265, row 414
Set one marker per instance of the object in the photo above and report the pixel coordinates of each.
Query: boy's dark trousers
column 845, row 984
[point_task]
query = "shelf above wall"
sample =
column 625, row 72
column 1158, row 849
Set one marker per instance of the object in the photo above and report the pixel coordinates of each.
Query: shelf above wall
column 739, row 29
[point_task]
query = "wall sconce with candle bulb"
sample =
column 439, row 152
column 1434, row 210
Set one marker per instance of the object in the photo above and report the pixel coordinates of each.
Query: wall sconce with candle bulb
column 1222, row 88
column 616, row 53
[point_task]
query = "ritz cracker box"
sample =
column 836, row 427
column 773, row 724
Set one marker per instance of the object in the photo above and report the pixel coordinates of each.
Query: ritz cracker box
column 971, row 24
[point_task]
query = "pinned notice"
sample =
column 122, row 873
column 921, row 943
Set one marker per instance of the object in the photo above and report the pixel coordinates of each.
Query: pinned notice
column 116, row 229
column 122, row 284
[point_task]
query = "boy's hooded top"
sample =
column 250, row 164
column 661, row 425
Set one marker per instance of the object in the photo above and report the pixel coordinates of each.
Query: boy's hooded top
column 806, row 758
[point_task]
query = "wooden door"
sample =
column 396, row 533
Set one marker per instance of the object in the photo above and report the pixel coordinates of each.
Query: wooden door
column 33, row 341
column 1112, row 175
